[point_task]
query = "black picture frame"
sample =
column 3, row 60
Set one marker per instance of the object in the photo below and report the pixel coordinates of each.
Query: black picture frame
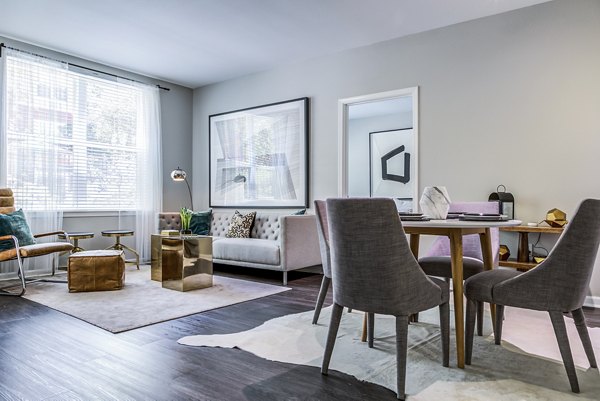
column 258, row 156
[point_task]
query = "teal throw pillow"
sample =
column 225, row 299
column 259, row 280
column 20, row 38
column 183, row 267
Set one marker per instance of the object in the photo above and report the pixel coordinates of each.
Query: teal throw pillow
column 200, row 223
column 15, row 224
column 299, row 212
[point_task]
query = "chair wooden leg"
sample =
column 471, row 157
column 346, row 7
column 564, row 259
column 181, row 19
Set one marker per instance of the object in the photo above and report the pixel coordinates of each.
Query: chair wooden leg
column 560, row 330
column 414, row 318
column 499, row 321
column 336, row 317
column 469, row 329
column 321, row 298
column 371, row 328
column 584, row 335
column 445, row 328
column 401, row 351
column 480, row 318
column 349, row 310
column 363, row 335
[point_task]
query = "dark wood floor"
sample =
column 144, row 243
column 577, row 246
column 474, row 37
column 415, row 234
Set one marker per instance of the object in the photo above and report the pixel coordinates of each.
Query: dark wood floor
column 46, row 355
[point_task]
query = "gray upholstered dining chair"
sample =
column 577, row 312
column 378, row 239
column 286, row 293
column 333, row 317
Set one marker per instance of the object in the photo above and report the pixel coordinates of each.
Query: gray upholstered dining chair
column 323, row 232
column 557, row 285
column 437, row 262
column 374, row 270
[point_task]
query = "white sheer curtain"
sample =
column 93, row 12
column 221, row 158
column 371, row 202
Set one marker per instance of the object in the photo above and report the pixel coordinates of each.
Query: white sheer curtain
column 29, row 151
column 149, row 170
column 79, row 143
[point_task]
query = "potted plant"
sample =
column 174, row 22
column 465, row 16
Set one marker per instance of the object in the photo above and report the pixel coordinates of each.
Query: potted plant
column 186, row 218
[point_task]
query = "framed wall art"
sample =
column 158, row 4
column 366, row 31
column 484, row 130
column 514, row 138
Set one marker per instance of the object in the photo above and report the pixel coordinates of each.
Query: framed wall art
column 393, row 166
column 259, row 156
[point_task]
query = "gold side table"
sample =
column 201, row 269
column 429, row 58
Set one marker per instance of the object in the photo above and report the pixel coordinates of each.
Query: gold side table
column 182, row 263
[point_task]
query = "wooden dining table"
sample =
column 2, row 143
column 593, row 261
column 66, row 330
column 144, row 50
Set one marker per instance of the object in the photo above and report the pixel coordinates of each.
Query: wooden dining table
column 454, row 229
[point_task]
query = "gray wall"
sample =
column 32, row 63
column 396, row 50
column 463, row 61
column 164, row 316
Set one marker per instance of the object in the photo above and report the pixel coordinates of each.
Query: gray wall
column 511, row 99
column 176, row 121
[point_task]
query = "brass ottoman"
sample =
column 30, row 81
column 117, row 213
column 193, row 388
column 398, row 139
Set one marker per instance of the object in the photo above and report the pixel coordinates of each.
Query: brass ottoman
column 101, row 270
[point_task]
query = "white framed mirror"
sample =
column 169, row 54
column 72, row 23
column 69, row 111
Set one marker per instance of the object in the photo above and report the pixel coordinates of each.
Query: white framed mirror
column 378, row 147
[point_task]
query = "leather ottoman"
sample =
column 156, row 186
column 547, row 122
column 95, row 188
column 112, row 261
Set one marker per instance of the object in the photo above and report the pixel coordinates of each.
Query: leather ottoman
column 101, row 270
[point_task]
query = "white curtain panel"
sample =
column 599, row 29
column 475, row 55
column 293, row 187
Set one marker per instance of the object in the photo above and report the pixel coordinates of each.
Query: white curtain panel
column 30, row 156
column 149, row 185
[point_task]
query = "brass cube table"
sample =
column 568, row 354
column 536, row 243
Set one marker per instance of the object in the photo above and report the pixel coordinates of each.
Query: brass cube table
column 182, row 263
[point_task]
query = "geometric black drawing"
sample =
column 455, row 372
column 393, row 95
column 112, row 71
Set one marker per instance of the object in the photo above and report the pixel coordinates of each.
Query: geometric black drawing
column 394, row 177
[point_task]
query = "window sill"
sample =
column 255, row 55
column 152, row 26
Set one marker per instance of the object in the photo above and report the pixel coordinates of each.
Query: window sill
column 97, row 213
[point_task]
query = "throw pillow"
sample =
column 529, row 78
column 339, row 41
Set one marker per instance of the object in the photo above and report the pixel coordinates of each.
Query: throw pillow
column 15, row 224
column 299, row 212
column 200, row 222
column 240, row 225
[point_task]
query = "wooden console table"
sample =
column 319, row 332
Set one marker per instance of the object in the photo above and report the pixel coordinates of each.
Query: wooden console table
column 522, row 262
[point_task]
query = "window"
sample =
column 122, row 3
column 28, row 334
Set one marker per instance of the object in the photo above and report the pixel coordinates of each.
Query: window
column 87, row 130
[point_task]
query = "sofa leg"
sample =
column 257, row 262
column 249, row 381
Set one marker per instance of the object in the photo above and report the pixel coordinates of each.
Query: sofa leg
column 285, row 278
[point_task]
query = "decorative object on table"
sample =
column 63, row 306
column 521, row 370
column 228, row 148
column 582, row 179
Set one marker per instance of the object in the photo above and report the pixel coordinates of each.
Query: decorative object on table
column 506, row 200
column 258, row 156
column 539, row 259
column 556, row 218
column 180, row 175
column 392, row 166
column 118, row 246
column 102, row 270
column 170, row 233
column 504, row 252
column 435, row 202
column 186, row 218
column 240, row 225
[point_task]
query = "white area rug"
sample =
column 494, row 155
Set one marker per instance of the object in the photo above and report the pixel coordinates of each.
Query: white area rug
column 496, row 372
column 142, row 301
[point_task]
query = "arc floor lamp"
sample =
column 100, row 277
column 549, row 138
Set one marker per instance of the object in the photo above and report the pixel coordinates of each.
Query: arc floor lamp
column 180, row 175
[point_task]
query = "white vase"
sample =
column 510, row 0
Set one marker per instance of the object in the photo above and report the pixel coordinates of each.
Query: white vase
column 435, row 202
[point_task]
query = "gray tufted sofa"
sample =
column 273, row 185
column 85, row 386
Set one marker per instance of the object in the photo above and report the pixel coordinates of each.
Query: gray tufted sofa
column 277, row 241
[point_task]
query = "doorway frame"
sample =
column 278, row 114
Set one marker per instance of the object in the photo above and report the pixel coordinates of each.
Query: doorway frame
column 344, row 104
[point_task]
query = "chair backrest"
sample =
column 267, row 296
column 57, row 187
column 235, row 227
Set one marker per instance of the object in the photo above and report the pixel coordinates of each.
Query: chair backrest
column 471, row 244
column 561, row 281
column 323, row 231
column 7, row 201
column 372, row 266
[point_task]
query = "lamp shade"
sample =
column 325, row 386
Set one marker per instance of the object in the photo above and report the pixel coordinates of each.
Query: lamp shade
column 178, row 174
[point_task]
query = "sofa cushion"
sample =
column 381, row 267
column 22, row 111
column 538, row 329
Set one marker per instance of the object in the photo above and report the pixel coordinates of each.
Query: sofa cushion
column 200, row 222
column 250, row 250
column 240, row 225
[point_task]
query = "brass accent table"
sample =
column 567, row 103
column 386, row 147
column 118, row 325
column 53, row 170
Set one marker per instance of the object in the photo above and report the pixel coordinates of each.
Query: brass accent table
column 182, row 263
column 76, row 236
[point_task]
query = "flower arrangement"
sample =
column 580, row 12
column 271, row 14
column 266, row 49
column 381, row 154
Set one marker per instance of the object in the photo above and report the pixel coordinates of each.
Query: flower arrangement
column 186, row 218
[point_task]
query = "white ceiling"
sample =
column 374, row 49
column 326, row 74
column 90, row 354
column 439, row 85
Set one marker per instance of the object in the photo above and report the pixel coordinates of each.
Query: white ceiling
column 197, row 42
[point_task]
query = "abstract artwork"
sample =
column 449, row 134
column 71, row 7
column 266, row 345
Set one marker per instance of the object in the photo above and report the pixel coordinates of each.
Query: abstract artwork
column 392, row 159
column 258, row 156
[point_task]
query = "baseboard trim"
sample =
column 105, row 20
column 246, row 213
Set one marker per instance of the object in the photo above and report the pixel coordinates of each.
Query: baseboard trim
column 592, row 302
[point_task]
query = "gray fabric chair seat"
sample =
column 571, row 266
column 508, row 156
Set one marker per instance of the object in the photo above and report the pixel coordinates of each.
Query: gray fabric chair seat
column 251, row 250
column 374, row 270
column 438, row 266
column 557, row 285
column 480, row 287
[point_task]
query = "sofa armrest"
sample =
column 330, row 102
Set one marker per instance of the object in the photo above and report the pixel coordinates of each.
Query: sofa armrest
column 299, row 242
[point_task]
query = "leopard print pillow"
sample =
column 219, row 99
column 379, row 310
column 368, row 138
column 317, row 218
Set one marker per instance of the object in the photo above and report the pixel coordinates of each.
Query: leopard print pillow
column 240, row 225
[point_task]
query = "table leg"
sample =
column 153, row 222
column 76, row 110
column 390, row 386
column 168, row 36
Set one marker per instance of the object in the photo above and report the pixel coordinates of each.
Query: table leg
column 485, row 239
column 456, row 252
column 363, row 337
column 414, row 245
